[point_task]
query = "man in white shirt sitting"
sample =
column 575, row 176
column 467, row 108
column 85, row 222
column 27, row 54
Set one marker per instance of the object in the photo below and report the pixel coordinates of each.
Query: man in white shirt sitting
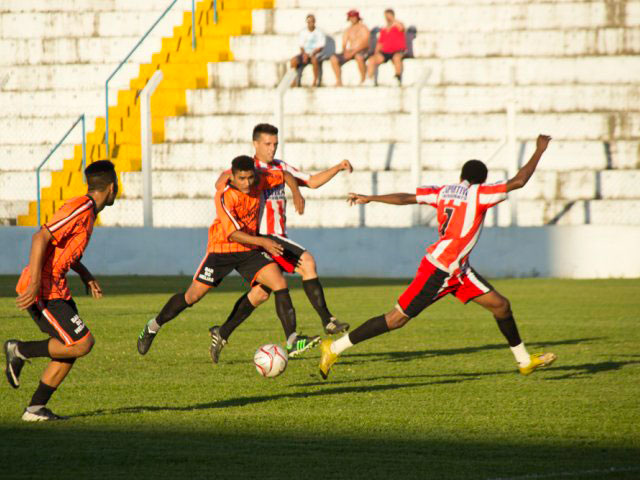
column 311, row 42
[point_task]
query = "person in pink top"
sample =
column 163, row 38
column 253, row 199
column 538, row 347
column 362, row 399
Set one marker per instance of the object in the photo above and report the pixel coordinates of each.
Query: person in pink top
column 391, row 45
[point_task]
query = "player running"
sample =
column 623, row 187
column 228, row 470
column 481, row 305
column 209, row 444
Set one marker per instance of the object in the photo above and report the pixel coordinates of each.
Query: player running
column 234, row 244
column 43, row 291
column 295, row 258
column 445, row 269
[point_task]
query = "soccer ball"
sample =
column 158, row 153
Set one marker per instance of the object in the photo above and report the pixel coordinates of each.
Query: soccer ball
column 270, row 360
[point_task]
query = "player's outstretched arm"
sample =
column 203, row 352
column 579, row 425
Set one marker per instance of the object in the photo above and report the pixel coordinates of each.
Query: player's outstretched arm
column 88, row 279
column 270, row 246
column 223, row 179
column 522, row 177
column 298, row 199
column 39, row 243
column 319, row 179
column 391, row 198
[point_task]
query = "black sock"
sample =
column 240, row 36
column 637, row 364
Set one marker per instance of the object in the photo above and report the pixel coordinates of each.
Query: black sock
column 315, row 294
column 371, row 328
column 509, row 329
column 42, row 394
column 285, row 311
column 241, row 310
column 39, row 348
column 172, row 309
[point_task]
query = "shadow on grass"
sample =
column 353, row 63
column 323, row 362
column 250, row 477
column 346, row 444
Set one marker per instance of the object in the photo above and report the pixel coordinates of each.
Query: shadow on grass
column 245, row 401
column 406, row 356
column 588, row 369
column 228, row 450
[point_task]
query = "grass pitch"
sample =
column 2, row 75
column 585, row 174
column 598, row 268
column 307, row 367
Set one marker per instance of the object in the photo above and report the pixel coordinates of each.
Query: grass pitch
column 439, row 399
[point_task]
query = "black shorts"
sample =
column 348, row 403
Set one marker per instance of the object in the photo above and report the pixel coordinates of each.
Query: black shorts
column 389, row 56
column 290, row 259
column 342, row 60
column 59, row 319
column 215, row 266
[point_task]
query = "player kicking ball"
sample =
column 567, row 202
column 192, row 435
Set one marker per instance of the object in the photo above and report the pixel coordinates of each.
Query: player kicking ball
column 234, row 244
column 445, row 269
column 273, row 220
column 43, row 291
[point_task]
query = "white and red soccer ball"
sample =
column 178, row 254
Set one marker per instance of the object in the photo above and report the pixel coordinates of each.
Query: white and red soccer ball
column 270, row 360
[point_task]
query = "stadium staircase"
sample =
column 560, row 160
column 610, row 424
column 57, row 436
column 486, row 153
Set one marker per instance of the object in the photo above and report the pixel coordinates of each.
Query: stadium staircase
column 572, row 66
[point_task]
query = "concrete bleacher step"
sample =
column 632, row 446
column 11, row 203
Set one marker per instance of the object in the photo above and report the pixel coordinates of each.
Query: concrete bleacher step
column 454, row 99
column 394, row 128
column 81, row 5
column 10, row 209
column 455, row 17
column 382, row 4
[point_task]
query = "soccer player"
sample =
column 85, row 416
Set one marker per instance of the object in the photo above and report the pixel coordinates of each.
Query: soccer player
column 445, row 269
column 43, row 291
column 295, row 258
column 234, row 244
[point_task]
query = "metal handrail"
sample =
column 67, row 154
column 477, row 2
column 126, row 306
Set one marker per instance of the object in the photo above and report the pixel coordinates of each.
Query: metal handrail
column 81, row 118
column 282, row 88
column 106, row 86
column 416, row 164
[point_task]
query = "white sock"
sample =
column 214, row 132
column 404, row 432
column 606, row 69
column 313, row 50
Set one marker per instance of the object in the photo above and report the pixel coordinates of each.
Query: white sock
column 34, row 408
column 153, row 326
column 521, row 354
column 291, row 339
column 341, row 344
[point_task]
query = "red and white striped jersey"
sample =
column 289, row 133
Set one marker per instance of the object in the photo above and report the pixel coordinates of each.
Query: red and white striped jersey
column 273, row 208
column 461, row 209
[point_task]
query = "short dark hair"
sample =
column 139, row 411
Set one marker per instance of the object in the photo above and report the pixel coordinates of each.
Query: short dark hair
column 390, row 10
column 100, row 175
column 243, row 163
column 264, row 128
column 474, row 171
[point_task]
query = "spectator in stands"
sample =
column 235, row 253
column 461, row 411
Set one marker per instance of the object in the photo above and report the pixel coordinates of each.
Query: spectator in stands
column 355, row 45
column 311, row 42
column 391, row 45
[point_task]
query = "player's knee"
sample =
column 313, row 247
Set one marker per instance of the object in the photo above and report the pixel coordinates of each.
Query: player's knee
column 503, row 307
column 396, row 319
column 258, row 295
column 308, row 264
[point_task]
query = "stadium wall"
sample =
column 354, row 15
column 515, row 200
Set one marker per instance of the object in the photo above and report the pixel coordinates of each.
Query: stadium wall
column 567, row 252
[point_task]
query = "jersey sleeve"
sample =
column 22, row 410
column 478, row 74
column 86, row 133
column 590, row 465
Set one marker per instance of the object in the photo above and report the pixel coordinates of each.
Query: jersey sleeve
column 428, row 195
column 490, row 194
column 63, row 222
column 226, row 210
column 271, row 178
column 301, row 177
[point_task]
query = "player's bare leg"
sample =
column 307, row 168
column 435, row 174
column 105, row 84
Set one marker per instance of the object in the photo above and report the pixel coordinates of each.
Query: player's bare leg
column 62, row 360
column 335, row 64
column 397, row 63
column 361, row 66
column 174, row 307
column 500, row 307
column 315, row 293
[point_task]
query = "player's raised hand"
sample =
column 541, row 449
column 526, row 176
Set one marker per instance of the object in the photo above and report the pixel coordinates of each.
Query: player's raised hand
column 542, row 142
column 94, row 288
column 28, row 297
column 272, row 247
column 346, row 165
column 357, row 199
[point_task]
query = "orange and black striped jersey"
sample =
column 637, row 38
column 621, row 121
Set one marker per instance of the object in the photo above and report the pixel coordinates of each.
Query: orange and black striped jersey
column 237, row 211
column 70, row 227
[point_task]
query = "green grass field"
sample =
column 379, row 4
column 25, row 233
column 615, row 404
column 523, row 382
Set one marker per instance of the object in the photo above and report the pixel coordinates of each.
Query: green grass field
column 439, row 399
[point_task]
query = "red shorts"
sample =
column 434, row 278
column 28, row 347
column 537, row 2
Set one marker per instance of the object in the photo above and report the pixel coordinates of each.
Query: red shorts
column 431, row 284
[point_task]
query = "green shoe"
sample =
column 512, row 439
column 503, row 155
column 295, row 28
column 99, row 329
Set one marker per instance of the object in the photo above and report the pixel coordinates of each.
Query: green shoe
column 301, row 344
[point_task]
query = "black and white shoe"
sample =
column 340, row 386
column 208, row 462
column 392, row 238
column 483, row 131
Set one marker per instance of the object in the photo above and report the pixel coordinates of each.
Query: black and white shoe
column 145, row 339
column 335, row 326
column 41, row 415
column 301, row 344
column 14, row 363
column 217, row 343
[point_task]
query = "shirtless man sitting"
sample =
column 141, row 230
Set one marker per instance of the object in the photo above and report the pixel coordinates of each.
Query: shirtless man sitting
column 355, row 44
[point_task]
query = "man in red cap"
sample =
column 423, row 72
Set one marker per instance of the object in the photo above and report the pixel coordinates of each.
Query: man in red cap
column 355, row 45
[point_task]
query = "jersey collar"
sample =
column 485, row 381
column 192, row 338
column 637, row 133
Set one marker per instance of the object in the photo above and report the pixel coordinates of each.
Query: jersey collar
column 93, row 202
column 465, row 183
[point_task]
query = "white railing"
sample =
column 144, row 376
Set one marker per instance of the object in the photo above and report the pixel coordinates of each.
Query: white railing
column 416, row 164
column 282, row 88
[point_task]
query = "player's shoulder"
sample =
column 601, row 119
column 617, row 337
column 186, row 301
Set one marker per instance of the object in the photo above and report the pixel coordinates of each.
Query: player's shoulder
column 77, row 205
column 493, row 186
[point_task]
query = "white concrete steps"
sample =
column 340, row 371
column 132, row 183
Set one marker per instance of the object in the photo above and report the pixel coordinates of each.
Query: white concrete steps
column 82, row 5
column 434, row 99
column 397, row 128
column 589, row 70
column 10, row 209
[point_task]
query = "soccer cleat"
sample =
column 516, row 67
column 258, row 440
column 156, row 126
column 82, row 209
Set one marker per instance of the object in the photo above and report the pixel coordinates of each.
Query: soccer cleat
column 335, row 326
column 14, row 363
column 145, row 339
column 538, row 360
column 327, row 358
column 301, row 344
column 217, row 343
column 43, row 414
